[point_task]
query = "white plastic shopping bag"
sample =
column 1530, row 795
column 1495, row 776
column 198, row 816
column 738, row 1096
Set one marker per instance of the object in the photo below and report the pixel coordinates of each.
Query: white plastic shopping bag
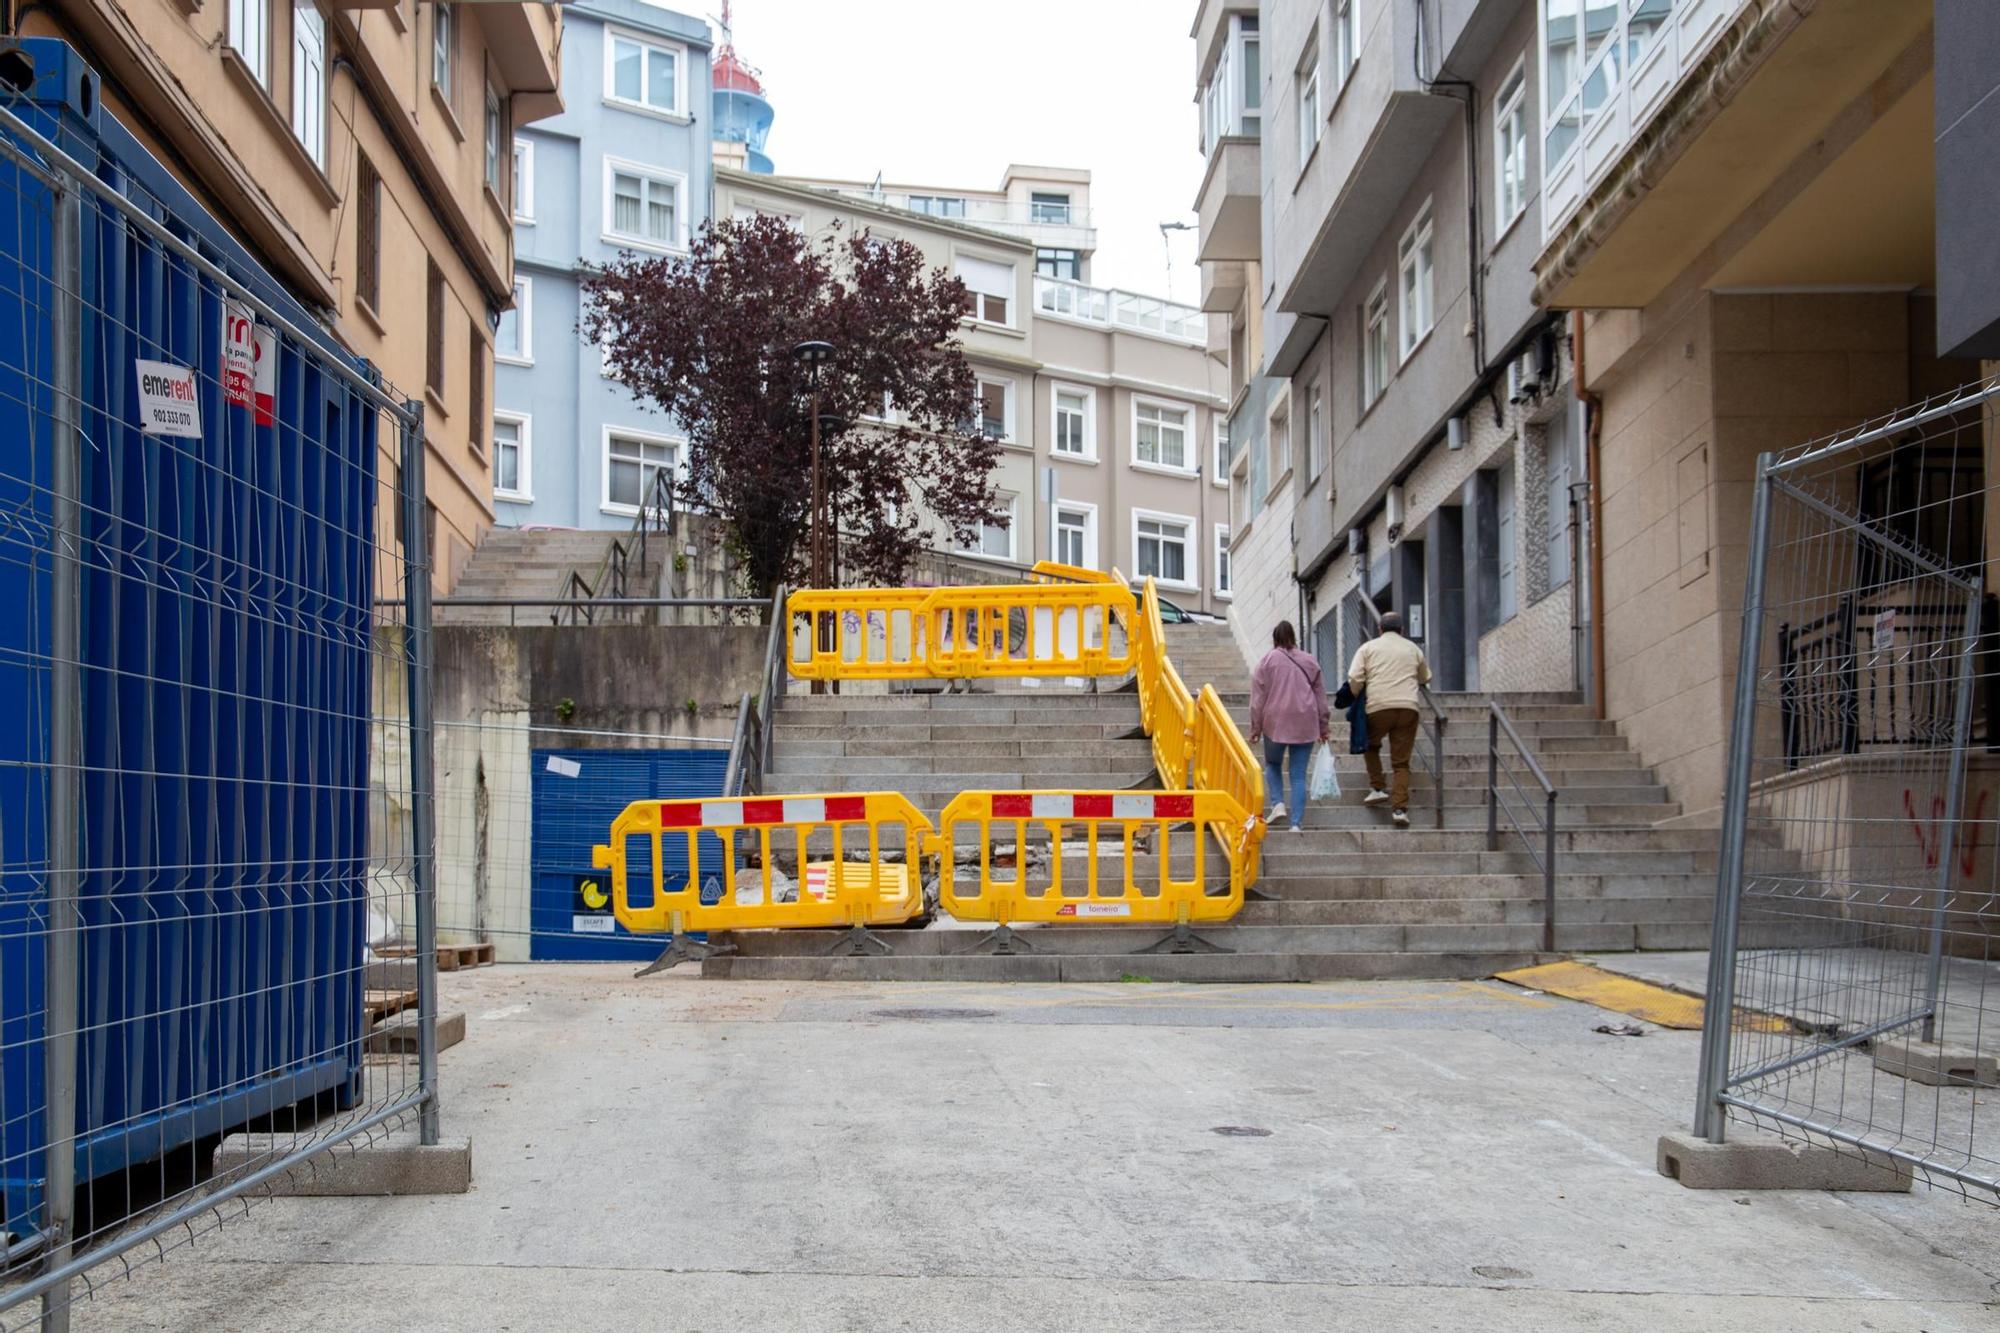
column 1322, row 780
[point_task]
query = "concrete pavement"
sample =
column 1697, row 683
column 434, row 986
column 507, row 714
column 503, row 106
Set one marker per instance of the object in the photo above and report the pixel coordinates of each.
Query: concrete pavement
column 687, row 1154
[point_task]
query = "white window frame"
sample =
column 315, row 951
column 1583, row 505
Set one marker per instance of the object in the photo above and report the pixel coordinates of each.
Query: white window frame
column 1242, row 504
column 1189, row 449
column 1223, row 590
column 1010, row 421
column 1278, row 452
column 1189, row 526
column 605, row 503
column 1346, row 46
column 309, row 102
column 1091, row 558
column 1012, row 505
column 1232, row 98
column 524, row 319
column 617, row 166
column 1312, row 112
column 524, row 181
column 1219, row 448
column 1376, row 365
column 524, row 470
column 647, row 44
column 250, row 37
column 1013, row 298
column 1056, row 390
column 492, row 129
column 1510, row 148
column 444, row 50
column 1315, row 431
column 1416, row 281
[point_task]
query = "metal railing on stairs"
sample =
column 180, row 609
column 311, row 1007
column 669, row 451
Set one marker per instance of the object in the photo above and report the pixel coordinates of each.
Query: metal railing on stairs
column 1433, row 723
column 1497, row 725
column 610, row 587
column 750, row 747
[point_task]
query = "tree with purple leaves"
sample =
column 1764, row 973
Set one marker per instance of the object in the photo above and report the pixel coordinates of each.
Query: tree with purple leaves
column 708, row 339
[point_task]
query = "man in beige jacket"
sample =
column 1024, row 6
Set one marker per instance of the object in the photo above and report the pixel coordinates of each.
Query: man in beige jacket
column 1391, row 669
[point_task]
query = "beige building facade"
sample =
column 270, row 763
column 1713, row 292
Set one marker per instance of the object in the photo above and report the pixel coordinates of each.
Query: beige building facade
column 365, row 156
column 1115, row 396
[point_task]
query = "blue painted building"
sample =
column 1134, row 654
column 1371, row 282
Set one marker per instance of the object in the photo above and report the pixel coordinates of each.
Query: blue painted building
column 626, row 166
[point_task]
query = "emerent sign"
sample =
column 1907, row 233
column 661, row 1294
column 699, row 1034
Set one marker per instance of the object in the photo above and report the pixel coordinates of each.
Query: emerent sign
column 167, row 402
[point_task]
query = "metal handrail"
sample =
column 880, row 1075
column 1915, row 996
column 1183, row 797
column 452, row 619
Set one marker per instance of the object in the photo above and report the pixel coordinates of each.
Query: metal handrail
column 1426, row 703
column 750, row 746
column 614, row 571
column 1497, row 722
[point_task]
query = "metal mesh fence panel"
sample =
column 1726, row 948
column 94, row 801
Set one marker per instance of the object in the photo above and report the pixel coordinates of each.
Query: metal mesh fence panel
column 1854, row 994
column 214, row 756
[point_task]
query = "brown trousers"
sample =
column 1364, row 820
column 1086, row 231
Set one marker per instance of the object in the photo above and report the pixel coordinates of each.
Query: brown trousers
column 1398, row 726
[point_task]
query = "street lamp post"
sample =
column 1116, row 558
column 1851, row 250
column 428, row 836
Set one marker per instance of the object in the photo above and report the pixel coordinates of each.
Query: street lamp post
column 812, row 356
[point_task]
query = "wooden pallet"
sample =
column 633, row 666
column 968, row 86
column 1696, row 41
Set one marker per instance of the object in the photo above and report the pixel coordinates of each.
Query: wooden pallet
column 377, row 1005
column 451, row 957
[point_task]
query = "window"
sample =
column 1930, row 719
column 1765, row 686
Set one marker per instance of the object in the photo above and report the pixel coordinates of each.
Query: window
column 938, row 205
column 524, row 180
column 434, row 327
column 1277, row 448
column 1588, row 53
column 989, row 286
column 1220, row 464
column 1315, row 434
column 643, row 206
column 512, row 478
column 1309, row 116
column 1242, row 495
column 1048, row 207
column 995, row 539
column 1506, row 528
column 993, row 409
column 1076, row 536
column 250, row 36
column 1413, row 263
column 443, row 40
column 1222, row 588
column 1232, row 97
column 1160, row 435
column 475, row 373
column 1345, row 50
column 309, row 81
column 1510, row 148
column 367, row 233
column 493, row 135
column 1375, row 344
column 632, row 463
column 1160, row 544
column 514, row 340
column 1075, row 434
column 1060, row 264
column 643, row 74
column 1556, row 453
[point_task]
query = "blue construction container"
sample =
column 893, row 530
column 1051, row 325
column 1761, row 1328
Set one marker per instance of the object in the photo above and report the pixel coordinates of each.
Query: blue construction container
column 575, row 794
column 225, row 657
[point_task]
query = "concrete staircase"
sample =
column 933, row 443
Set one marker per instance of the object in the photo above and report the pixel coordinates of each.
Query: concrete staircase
column 1352, row 896
column 531, row 562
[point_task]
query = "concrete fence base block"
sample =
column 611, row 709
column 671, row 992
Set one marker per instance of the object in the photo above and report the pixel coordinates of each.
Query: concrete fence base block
column 1764, row 1162
column 398, row 1035
column 1937, row 1066
column 395, row 1164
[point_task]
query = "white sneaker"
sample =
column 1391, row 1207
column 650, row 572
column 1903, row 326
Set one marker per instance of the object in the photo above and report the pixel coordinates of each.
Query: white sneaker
column 1297, row 828
column 1376, row 796
column 1277, row 813
column 1400, row 818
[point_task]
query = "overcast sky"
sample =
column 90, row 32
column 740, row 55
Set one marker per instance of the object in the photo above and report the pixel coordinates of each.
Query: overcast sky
column 947, row 92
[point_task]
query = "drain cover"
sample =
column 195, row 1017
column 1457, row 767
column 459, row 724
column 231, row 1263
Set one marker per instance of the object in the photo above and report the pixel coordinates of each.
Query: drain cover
column 1241, row 1132
column 934, row 1015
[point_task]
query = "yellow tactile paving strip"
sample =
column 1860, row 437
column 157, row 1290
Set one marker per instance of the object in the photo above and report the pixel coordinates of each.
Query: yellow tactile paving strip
column 1608, row 990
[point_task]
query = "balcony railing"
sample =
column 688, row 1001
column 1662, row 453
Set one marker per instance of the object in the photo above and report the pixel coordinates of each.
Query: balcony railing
column 1119, row 309
column 999, row 213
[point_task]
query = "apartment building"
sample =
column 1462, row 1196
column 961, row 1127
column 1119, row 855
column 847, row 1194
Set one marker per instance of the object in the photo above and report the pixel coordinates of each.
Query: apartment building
column 1112, row 398
column 1775, row 222
column 364, row 155
column 1403, row 429
column 625, row 168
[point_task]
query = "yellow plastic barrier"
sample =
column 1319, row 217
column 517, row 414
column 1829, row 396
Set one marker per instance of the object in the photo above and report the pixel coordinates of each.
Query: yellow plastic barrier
column 1224, row 762
column 1030, row 629
column 1050, row 571
column 836, row 841
column 1109, row 857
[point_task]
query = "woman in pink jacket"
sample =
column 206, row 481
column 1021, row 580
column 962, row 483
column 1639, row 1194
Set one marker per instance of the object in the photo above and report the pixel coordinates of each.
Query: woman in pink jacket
column 1288, row 713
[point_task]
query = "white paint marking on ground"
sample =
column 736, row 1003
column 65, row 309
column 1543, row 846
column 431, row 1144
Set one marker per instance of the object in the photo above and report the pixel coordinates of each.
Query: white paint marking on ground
column 1605, row 1151
column 508, row 1012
